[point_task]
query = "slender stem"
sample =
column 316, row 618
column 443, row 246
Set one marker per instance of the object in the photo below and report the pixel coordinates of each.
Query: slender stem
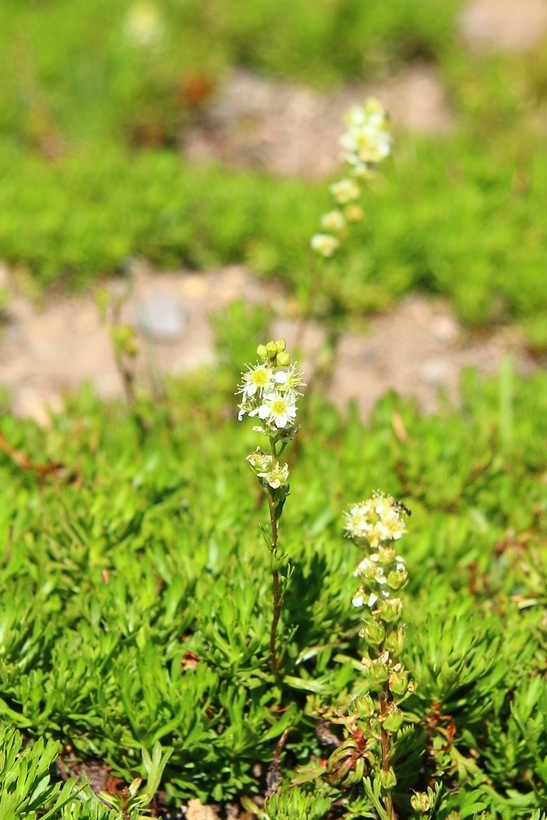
column 386, row 759
column 277, row 600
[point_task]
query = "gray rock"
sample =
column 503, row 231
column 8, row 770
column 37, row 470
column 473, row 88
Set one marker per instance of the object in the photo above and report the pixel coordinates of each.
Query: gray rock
column 161, row 317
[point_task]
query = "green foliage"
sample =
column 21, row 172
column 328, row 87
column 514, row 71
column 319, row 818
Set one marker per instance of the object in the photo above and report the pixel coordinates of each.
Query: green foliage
column 201, row 217
column 128, row 618
column 26, row 789
column 290, row 802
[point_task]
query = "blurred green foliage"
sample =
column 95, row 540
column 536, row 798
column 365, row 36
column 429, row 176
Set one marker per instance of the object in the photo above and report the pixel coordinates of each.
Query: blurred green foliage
column 87, row 88
column 135, row 69
column 463, row 222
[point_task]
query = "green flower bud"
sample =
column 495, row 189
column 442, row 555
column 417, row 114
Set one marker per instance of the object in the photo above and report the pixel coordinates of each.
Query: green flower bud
column 393, row 720
column 398, row 683
column 397, row 579
column 364, row 707
column 262, row 352
column 377, row 674
column 271, row 350
column 395, row 642
column 280, row 345
column 387, row 779
column 391, row 610
column 283, row 359
column 123, row 337
column 420, row 802
column 374, row 632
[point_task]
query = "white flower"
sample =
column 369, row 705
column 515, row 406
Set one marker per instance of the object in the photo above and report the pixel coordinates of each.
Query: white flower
column 256, row 381
column 333, row 221
column 376, row 520
column 277, row 476
column 345, row 190
column 279, row 409
column 367, row 140
column 144, row 25
column 324, row 244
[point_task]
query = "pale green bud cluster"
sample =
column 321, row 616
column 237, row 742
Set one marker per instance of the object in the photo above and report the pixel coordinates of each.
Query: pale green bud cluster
column 364, row 145
column 274, row 474
column 373, row 524
column 375, row 715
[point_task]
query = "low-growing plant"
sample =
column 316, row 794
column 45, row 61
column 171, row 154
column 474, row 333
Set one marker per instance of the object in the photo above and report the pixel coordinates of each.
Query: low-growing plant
column 269, row 392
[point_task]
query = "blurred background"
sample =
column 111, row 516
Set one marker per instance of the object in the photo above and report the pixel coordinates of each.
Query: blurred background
column 177, row 135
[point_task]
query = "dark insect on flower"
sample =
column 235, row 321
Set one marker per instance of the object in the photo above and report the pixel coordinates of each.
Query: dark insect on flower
column 398, row 505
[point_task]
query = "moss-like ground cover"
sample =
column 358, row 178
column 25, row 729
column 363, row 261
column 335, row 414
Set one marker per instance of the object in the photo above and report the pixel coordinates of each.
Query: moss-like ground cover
column 136, row 593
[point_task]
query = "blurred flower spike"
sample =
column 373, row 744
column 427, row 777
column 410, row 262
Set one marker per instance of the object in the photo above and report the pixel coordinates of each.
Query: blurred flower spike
column 365, row 144
column 144, row 25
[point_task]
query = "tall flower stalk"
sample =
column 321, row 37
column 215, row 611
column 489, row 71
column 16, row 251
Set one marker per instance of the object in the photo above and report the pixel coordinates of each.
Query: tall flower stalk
column 365, row 144
column 269, row 393
column 375, row 716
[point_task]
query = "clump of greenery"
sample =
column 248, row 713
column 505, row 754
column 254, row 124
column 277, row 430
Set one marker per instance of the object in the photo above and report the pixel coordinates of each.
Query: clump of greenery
column 410, row 239
column 134, row 612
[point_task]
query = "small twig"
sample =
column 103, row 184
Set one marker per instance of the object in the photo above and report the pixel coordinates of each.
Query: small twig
column 23, row 461
column 273, row 776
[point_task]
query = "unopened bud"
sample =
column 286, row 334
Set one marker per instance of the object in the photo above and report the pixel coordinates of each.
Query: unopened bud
column 393, row 721
column 395, row 642
column 387, row 779
column 391, row 610
column 363, row 707
column 377, row 674
column 420, row 802
column 398, row 683
column 354, row 213
column 374, row 632
column 397, row 579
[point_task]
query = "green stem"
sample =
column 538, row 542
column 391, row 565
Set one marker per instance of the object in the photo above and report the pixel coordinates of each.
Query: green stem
column 386, row 758
column 277, row 599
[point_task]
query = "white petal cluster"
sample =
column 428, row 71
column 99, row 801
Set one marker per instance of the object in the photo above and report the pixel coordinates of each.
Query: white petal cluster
column 374, row 524
column 367, row 140
column 376, row 520
column 270, row 393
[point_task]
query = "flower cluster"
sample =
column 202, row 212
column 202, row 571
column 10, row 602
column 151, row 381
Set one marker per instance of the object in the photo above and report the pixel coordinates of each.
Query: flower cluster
column 373, row 525
column 364, row 145
column 375, row 715
column 269, row 392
